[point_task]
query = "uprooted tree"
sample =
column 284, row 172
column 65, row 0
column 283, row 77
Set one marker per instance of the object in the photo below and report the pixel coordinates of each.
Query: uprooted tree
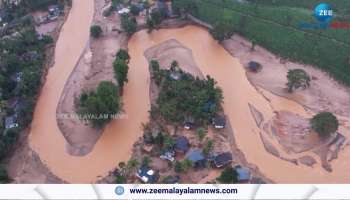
column 297, row 78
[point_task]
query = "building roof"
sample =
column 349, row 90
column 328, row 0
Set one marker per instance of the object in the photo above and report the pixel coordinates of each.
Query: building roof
column 219, row 121
column 10, row 121
column 223, row 159
column 182, row 144
column 195, row 155
column 146, row 174
column 243, row 174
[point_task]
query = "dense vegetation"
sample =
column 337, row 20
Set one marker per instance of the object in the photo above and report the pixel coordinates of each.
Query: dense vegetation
column 155, row 18
column 22, row 53
column 100, row 106
column 128, row 24
column 121, row 67
column 278, row 29
column 14, row 12
column 324, row 123
column 4, row 178
column 297, row 78
column 228, row 175
column 95, row 31
column 183, row 96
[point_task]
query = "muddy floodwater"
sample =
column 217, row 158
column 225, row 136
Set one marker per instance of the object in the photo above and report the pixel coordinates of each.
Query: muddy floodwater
column 118, row 137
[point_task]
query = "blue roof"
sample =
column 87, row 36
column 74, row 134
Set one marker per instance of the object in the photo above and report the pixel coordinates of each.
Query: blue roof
column 243, row 173
column 195, row 155
column 182, row 144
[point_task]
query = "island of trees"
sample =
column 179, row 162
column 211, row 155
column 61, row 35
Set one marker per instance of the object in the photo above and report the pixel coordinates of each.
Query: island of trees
column 99, row 107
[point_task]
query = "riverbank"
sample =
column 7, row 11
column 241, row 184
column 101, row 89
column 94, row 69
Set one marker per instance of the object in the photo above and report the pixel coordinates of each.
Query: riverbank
column 24, row 165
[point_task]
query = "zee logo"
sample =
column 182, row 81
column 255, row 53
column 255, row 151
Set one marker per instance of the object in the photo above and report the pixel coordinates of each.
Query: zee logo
column 323, row 12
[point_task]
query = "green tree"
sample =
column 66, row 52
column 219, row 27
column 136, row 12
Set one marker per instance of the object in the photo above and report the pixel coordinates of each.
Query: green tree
column 168, row 141
column 156, row 17
column 186, row 165
column 201, row 133
column 208, row 147
column 123, row 55
column 182, row 166
column 100, row 106
column 178, row 167
column 187, row 97
column 4, row 178
column 324, row 123
column 134, row 10
column 129, row 24
column 95, row 31
column 121, row 69
column 297, row 78
column 222, row 30
column 156, row 73
column 146, row 161
column 120, row 179
column 174, row 65
column 150, row 24
column 228, row 175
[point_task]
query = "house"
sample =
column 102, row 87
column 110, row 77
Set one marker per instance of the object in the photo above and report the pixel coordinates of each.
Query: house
column 182, row 144
column 123, row 11
column 219, row 122
column 188, row 125
column 10, row 122
column 54, row 12
column 175, row 75
column 197, row 158
column 168, row 155
column 254, row 66
column 243, row 174
column 147, row 175
column 17, row 77
column 222, row 159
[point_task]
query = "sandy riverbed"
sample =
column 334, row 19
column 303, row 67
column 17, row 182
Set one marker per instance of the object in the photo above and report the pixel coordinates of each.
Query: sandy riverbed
column 94, row 66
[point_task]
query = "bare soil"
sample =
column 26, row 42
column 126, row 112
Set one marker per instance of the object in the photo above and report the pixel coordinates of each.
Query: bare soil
column 323, row 94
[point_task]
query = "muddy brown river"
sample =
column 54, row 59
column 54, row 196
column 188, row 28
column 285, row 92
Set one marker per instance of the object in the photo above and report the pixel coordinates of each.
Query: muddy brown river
column 118, row 137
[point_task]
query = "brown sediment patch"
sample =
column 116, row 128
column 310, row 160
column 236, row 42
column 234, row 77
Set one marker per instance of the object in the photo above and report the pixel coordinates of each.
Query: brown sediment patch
column 307, row 160
column 25, row 166
column 323, row 94
column 171, row 50
column 258, row 116
column 294, row 133
column 94, row 66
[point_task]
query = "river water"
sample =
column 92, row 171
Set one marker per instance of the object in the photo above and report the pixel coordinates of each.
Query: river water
column 118, row 137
